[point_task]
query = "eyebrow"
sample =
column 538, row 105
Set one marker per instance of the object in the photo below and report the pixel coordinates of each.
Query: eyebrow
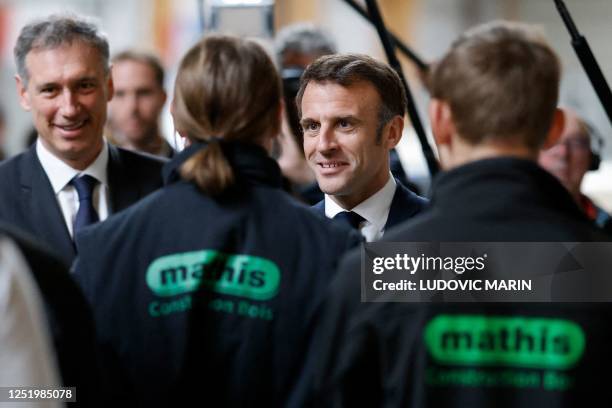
column 306, row 122
column 352, row 120
column 45, row 85
column 76, row 81
column 348, row 118
column 335, row 119
column 87, row 78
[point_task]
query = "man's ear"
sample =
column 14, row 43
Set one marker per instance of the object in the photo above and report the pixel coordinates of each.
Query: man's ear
column 442, row 124
column 393, row 135
column 556, row 128
column 24, row 96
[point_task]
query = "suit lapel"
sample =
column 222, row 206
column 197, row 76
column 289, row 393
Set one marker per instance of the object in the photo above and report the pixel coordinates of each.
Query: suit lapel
column 41, row 203
column 123, row 191
column 319, row 207
column 404, row 205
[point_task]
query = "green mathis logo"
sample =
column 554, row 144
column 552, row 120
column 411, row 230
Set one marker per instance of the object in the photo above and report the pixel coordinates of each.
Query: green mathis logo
column 246, row 276
column 504, row 341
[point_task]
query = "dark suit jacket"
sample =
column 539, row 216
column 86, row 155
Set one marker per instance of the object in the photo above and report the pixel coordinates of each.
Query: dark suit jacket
column 28, row 202
column 405, row 204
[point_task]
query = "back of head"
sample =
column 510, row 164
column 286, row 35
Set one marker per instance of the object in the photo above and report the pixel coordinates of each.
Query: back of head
column 55, row 31
column 226, row 89
column 501, row 81
column 347, row 69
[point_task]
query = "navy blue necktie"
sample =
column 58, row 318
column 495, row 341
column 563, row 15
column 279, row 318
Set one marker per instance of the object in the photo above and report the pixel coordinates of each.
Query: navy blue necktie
column 86, row 214
column 349, row 218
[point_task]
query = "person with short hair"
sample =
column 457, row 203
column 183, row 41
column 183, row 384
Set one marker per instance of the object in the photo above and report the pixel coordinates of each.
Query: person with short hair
column 217, row 294
column 70, row 177
column 352, row 109
column 493, row 107
column 298, row 45
column 136, row 107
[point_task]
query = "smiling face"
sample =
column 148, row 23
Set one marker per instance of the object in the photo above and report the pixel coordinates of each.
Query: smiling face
column 67, row 93
column 340, row 140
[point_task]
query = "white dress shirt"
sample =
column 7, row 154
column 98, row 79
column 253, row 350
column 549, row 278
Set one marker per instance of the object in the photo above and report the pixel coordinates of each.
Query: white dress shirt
column 60, row 174
column 374, row 209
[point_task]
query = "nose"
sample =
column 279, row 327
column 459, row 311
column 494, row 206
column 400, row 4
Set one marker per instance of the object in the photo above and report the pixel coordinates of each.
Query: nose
column 69, row 104
column 327, row 140
column 131, row 103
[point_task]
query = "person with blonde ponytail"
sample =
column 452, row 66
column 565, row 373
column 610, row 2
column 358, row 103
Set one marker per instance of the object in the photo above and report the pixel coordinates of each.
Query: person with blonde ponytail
column 208, row 288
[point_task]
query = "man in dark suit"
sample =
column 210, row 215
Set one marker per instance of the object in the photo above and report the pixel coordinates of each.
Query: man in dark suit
column 352, row 114
column 71, row 177
column 494, row 97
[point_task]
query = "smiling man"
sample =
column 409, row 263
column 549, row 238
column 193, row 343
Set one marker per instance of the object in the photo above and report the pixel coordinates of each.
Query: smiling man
column 352, row 114
column 70, row 177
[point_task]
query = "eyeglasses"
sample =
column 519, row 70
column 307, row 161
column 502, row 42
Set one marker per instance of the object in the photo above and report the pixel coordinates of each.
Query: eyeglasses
column 574, row 144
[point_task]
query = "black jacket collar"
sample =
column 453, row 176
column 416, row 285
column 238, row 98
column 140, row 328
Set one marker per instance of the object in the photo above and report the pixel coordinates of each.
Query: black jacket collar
column 250, row 162
column 498, row 182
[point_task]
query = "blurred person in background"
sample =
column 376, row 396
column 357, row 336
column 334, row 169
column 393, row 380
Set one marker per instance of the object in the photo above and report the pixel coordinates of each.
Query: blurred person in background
column 27, row 357
column 208, row 286
column 570, row 159
column 36, row 344
column 298, row 45
column 134, row 111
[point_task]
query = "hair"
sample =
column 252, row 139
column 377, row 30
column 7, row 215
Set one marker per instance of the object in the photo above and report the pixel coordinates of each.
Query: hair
column 303, row 38
column 227, row 89
column 347, row 69
column 501, row 81
column 151, row 60
column 56, row 31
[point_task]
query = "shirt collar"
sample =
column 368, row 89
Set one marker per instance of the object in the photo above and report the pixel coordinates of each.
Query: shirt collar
column 60, row 174
column 375, row 209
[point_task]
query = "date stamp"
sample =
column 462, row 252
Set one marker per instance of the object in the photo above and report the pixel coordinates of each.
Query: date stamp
column 30, row 394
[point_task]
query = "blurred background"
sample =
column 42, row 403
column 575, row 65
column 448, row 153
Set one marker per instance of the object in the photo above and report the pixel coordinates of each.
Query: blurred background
column 170, row 27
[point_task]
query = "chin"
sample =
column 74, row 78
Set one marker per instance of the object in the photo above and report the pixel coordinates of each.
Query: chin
column 332, row 189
